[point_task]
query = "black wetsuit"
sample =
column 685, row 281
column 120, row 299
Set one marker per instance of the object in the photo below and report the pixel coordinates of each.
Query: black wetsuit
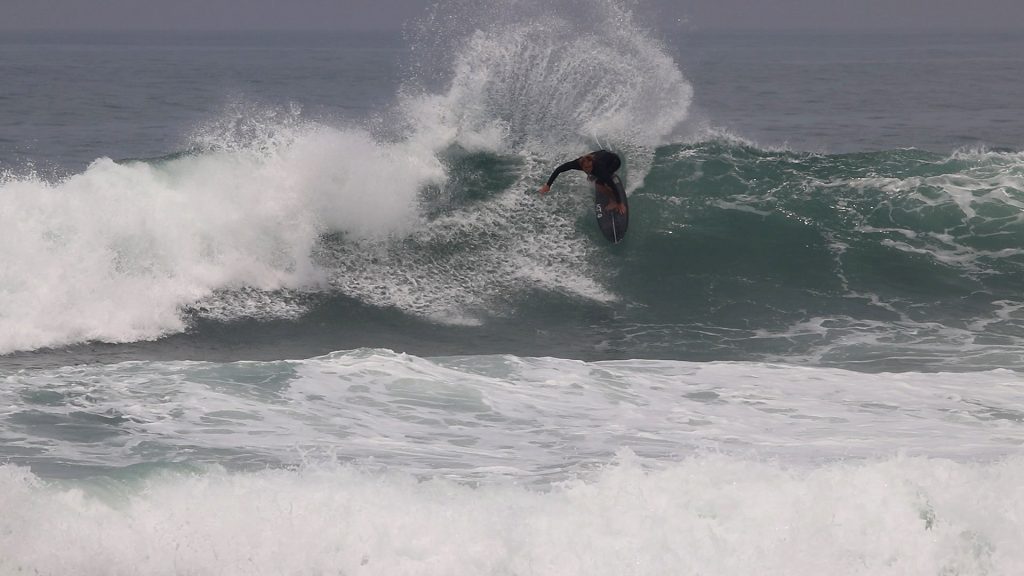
column 605, row 165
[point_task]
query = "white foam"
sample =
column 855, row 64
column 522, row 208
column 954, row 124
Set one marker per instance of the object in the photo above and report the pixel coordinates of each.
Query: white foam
column 115, row 252
column 709, row 514
column 494, row 252
column 500, row 464
column 545, row 416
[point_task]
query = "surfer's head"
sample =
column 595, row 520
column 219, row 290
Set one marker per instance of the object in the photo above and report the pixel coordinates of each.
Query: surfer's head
column 587, row 163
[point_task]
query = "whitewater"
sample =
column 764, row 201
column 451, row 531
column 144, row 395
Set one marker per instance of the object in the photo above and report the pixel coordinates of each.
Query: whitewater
column 376, row 462
column 290, row 303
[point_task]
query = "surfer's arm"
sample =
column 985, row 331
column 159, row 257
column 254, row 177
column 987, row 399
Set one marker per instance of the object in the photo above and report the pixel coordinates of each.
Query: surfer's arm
column 571, row 165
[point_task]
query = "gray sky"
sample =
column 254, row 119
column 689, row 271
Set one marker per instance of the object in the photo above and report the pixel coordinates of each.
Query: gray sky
column 390, row 14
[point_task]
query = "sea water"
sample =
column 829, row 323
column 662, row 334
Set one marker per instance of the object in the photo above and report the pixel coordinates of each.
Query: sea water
column 283, row 303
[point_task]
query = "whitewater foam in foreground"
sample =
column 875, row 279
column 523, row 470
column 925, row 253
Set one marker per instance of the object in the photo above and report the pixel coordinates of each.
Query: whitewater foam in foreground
column 713, row 514
column 380, row 463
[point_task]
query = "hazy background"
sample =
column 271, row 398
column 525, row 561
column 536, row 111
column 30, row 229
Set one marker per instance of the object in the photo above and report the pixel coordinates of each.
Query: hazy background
column 930, row 15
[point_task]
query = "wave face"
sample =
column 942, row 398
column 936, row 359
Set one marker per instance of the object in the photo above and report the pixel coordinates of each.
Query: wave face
column 840, row 258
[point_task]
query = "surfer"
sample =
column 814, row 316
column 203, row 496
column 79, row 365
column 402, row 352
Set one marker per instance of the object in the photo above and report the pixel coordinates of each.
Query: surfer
column 599, row 166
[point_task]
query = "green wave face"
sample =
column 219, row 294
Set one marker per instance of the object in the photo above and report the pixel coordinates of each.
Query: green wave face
column 815, row 253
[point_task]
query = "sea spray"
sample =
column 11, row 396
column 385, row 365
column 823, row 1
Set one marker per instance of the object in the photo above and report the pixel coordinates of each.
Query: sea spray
column 547, row 85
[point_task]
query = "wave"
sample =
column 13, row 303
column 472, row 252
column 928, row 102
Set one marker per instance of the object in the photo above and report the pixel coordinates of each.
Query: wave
column 267, row 202
column 115, row 253
column 810, row 255
column 801, row 255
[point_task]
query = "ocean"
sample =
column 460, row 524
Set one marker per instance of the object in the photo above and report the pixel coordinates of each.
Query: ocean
column 290, row 303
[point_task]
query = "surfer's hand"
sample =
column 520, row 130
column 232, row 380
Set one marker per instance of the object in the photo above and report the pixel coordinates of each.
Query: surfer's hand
column 545, row 189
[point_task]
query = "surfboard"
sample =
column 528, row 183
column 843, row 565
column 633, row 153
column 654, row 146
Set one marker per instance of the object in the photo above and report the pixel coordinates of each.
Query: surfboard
column 612, row 224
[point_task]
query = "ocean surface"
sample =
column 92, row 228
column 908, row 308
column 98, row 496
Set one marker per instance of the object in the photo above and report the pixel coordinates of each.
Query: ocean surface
column 289, row 303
